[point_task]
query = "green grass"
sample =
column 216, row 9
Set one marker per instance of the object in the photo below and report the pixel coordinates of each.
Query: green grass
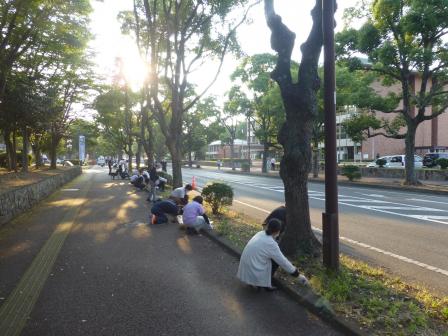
column 378, row 302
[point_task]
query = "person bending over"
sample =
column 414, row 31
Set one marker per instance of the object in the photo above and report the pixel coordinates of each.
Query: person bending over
column 180, row 195
column 161, row 210
column 194, row 217
column 261, row 251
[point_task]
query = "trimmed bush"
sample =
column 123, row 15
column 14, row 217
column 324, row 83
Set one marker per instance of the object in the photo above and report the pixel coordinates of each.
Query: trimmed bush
column 245, row 167
column 381, row 162
column 4, row 159
column 167, row 176
column 351, row 172
column 218, row 195
column 442, row 162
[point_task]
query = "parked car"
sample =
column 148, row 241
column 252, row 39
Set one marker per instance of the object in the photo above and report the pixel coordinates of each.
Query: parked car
column 397, row 161
column 429, row 160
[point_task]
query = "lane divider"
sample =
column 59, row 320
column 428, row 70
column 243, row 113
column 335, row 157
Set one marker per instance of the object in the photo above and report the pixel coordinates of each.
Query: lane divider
column 16, row 310
column 369, row 247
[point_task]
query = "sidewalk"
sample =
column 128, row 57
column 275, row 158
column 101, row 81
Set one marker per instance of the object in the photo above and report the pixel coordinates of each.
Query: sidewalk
column 433, row 187
column 112, row 274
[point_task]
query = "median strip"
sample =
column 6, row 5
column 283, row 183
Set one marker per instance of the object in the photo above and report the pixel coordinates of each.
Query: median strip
column 19, row 305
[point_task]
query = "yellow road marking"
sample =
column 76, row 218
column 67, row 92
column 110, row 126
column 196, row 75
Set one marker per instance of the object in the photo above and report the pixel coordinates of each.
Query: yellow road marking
column 19, row 305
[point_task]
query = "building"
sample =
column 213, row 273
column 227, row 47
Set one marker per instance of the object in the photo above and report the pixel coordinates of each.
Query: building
column 429, row 137
column 216, row 150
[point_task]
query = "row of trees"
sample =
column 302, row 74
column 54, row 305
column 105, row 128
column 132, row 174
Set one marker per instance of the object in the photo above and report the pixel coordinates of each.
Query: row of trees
column 175, row 37
column 44, row 71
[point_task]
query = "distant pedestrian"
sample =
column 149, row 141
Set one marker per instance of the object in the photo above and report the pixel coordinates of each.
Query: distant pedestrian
column 260, row 255
column 273, row 164
column 109, row 164
column 164, row 164
column 219, row 164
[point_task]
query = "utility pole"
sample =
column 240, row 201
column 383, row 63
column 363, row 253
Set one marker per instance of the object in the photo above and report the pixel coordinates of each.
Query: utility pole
column 330, row 219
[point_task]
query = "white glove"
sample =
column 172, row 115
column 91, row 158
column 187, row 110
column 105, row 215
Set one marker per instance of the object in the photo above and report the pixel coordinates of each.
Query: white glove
column 303, row 280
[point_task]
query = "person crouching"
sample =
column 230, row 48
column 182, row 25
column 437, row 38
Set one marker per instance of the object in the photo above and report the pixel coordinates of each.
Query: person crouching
column 258, row 256
column 194, row 217
column 162, row 210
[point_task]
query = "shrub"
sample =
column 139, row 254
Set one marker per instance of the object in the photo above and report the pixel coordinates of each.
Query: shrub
column 351, row 172
column 4, row 159
column 245, row 167
column 381, row 162
column 442, row 162
column 218, row 195
column 167, row 176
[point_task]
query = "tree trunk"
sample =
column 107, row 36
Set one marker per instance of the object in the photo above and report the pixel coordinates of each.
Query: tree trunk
column 176, row 157
column 232, row 153
column 137, row 156
column 316, row 159
column 25, row 150
column 14, row 150
column 53, row 149
column 11, row 164
column 300, row 102
column 190, row 160
column 264, row 163
column 410, row 177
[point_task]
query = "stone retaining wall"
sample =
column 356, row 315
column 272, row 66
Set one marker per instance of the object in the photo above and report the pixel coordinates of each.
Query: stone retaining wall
column 18, row 200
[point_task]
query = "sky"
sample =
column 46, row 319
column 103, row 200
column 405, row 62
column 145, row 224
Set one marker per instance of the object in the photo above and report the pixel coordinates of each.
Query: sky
column 109, row 43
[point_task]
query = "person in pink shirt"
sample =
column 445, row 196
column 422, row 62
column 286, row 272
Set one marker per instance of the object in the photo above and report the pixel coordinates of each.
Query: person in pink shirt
column 194, row 217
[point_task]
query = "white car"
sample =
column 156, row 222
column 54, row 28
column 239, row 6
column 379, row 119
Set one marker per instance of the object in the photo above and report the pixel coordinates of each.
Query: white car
column 397, row 161
column 101, row 161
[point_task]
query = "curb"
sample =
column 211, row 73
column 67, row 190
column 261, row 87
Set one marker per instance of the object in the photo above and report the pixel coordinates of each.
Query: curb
column 357, row 184
column 306, row 297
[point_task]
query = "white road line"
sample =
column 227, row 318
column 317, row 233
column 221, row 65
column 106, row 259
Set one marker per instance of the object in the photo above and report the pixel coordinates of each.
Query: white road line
column 388, row 207
column 372, row 248
column 422, row 200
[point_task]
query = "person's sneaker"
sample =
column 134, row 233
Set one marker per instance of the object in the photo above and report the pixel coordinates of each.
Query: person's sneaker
column 191, row 231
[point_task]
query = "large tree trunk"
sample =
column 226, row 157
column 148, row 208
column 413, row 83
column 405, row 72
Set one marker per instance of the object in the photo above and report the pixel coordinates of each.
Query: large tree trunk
column 176, row 157
column 55, row 138
column 9, row 149
column 25, row 150
column 300, row 102
column 410, row 177
column 264, row 163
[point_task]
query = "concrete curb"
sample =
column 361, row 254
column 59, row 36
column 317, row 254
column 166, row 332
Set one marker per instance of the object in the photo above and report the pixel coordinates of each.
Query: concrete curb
column 304, row 296
column 358, row 184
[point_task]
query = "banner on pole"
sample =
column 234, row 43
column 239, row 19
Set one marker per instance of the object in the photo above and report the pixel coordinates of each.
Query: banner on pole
column 82, row 147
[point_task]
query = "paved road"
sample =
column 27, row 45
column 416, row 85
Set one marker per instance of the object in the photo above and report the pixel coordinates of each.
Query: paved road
column 102, row 271
column 405, row 232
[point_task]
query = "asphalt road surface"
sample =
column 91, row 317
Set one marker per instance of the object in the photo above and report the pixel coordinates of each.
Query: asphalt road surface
column 85, row 262
column 404, row 232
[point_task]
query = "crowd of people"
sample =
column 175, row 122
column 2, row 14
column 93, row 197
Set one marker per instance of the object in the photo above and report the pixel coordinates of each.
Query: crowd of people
column 262, row 255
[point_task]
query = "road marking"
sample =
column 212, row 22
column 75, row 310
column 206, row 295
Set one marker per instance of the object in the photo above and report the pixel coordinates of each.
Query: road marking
column 70, row 189
column 422, row 200
column 17, row 308
column 372, row 248
column 373, row 195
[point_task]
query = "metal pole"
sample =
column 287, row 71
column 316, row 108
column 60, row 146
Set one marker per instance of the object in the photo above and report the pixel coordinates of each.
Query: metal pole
column 330, row 217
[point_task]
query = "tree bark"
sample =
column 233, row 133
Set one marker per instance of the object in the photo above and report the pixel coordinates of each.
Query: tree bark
column 410, row 178
column 11, row 164
column 264, row 163
column 25, row 150
column 300, row 102
column 232, row 153
column 14, row 150
column 53, row 147
column 176, row 157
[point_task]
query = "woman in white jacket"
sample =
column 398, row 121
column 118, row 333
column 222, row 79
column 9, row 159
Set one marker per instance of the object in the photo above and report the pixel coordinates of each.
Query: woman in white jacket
column 256, row 261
